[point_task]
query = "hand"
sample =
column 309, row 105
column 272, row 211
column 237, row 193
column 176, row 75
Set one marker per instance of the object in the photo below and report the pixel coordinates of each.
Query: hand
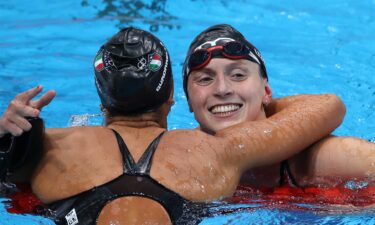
column 14, row 121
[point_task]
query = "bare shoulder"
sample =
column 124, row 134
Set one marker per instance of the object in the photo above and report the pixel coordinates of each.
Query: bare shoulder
column 73, row 136
column 194, row 141
column 75, row 132
column 77, row 158
column 189, row 137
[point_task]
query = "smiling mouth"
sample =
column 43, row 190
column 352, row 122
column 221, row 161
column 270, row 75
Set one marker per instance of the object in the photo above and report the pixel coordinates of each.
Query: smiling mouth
column 224, row 110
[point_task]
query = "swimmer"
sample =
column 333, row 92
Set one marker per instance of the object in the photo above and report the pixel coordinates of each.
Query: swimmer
column 226, row 83
column 132, row 170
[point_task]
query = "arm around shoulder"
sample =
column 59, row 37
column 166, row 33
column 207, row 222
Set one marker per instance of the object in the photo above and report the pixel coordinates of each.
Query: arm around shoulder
column 281, row 103
column 299, row 122
column 353, row 158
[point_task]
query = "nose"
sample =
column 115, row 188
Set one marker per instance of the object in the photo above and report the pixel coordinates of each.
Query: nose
column 223, row 87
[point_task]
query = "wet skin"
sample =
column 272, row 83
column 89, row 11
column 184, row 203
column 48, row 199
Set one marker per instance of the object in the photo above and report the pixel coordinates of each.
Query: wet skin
column 194, row 164
column 227, row 92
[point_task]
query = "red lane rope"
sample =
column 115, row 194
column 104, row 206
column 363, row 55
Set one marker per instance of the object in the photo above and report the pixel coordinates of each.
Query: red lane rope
column 24, row 201
column 309, row 195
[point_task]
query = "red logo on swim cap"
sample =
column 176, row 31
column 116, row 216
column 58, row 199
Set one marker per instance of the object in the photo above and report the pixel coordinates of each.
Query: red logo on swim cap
column 155, row 62
column 99, row 64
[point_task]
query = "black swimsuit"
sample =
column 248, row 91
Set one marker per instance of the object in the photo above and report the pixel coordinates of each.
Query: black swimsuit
column 84, row 208
column 286, row 176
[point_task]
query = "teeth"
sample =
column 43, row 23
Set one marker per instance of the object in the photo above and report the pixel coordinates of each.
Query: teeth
column 224, row 108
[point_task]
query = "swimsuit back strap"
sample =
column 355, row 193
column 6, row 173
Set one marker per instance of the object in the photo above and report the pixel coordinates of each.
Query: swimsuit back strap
column 129, row 164
column 286, row 176
column 144, row 163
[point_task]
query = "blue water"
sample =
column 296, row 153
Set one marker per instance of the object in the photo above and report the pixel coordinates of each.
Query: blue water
column 309, row 47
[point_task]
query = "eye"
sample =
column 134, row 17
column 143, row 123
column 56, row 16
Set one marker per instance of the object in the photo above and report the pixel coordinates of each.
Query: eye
column 204, row 80
column 238, row 76
column 202, row 77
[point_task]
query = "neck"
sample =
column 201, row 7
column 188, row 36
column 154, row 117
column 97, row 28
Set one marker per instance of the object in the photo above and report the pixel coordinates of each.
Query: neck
column 262, row 114
column 141, row 121
column 134, row 124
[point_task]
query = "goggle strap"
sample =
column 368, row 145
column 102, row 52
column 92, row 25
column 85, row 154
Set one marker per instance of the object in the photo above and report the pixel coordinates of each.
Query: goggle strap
column 209, row 52
column 252, row 55
column 233, row 57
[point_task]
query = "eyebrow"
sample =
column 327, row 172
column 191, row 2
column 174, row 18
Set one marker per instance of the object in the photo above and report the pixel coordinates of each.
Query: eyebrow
column 204, row 70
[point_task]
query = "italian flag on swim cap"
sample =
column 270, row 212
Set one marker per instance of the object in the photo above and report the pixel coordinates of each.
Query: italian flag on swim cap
column 155, row 62
column 99, row 65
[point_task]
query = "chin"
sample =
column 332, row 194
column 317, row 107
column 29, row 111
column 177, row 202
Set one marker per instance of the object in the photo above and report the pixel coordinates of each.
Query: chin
column 222, row 127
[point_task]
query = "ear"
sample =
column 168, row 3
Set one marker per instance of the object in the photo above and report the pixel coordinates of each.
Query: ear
column 267, row 98
column 170, row 102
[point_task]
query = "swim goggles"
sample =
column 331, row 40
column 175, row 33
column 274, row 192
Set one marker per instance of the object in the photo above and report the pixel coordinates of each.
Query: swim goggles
column 228, row 48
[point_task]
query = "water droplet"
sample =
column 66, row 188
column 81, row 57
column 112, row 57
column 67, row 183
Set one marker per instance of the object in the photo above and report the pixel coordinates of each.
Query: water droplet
column 223, row 179
column 353, row 185
column 268, row 131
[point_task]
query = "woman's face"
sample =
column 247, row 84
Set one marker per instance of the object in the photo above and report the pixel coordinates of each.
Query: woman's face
column 227, row 92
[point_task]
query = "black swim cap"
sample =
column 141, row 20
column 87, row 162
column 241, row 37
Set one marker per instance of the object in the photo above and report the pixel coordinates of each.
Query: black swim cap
column 219, row 35
column 133, row 72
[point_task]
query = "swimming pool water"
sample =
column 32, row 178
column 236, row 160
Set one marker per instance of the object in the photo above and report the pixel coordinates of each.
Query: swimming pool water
column 309, row 47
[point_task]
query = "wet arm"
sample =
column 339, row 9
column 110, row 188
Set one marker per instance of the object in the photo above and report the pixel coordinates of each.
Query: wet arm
column 343, row 157
column 299, row 122
column 281, row 103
